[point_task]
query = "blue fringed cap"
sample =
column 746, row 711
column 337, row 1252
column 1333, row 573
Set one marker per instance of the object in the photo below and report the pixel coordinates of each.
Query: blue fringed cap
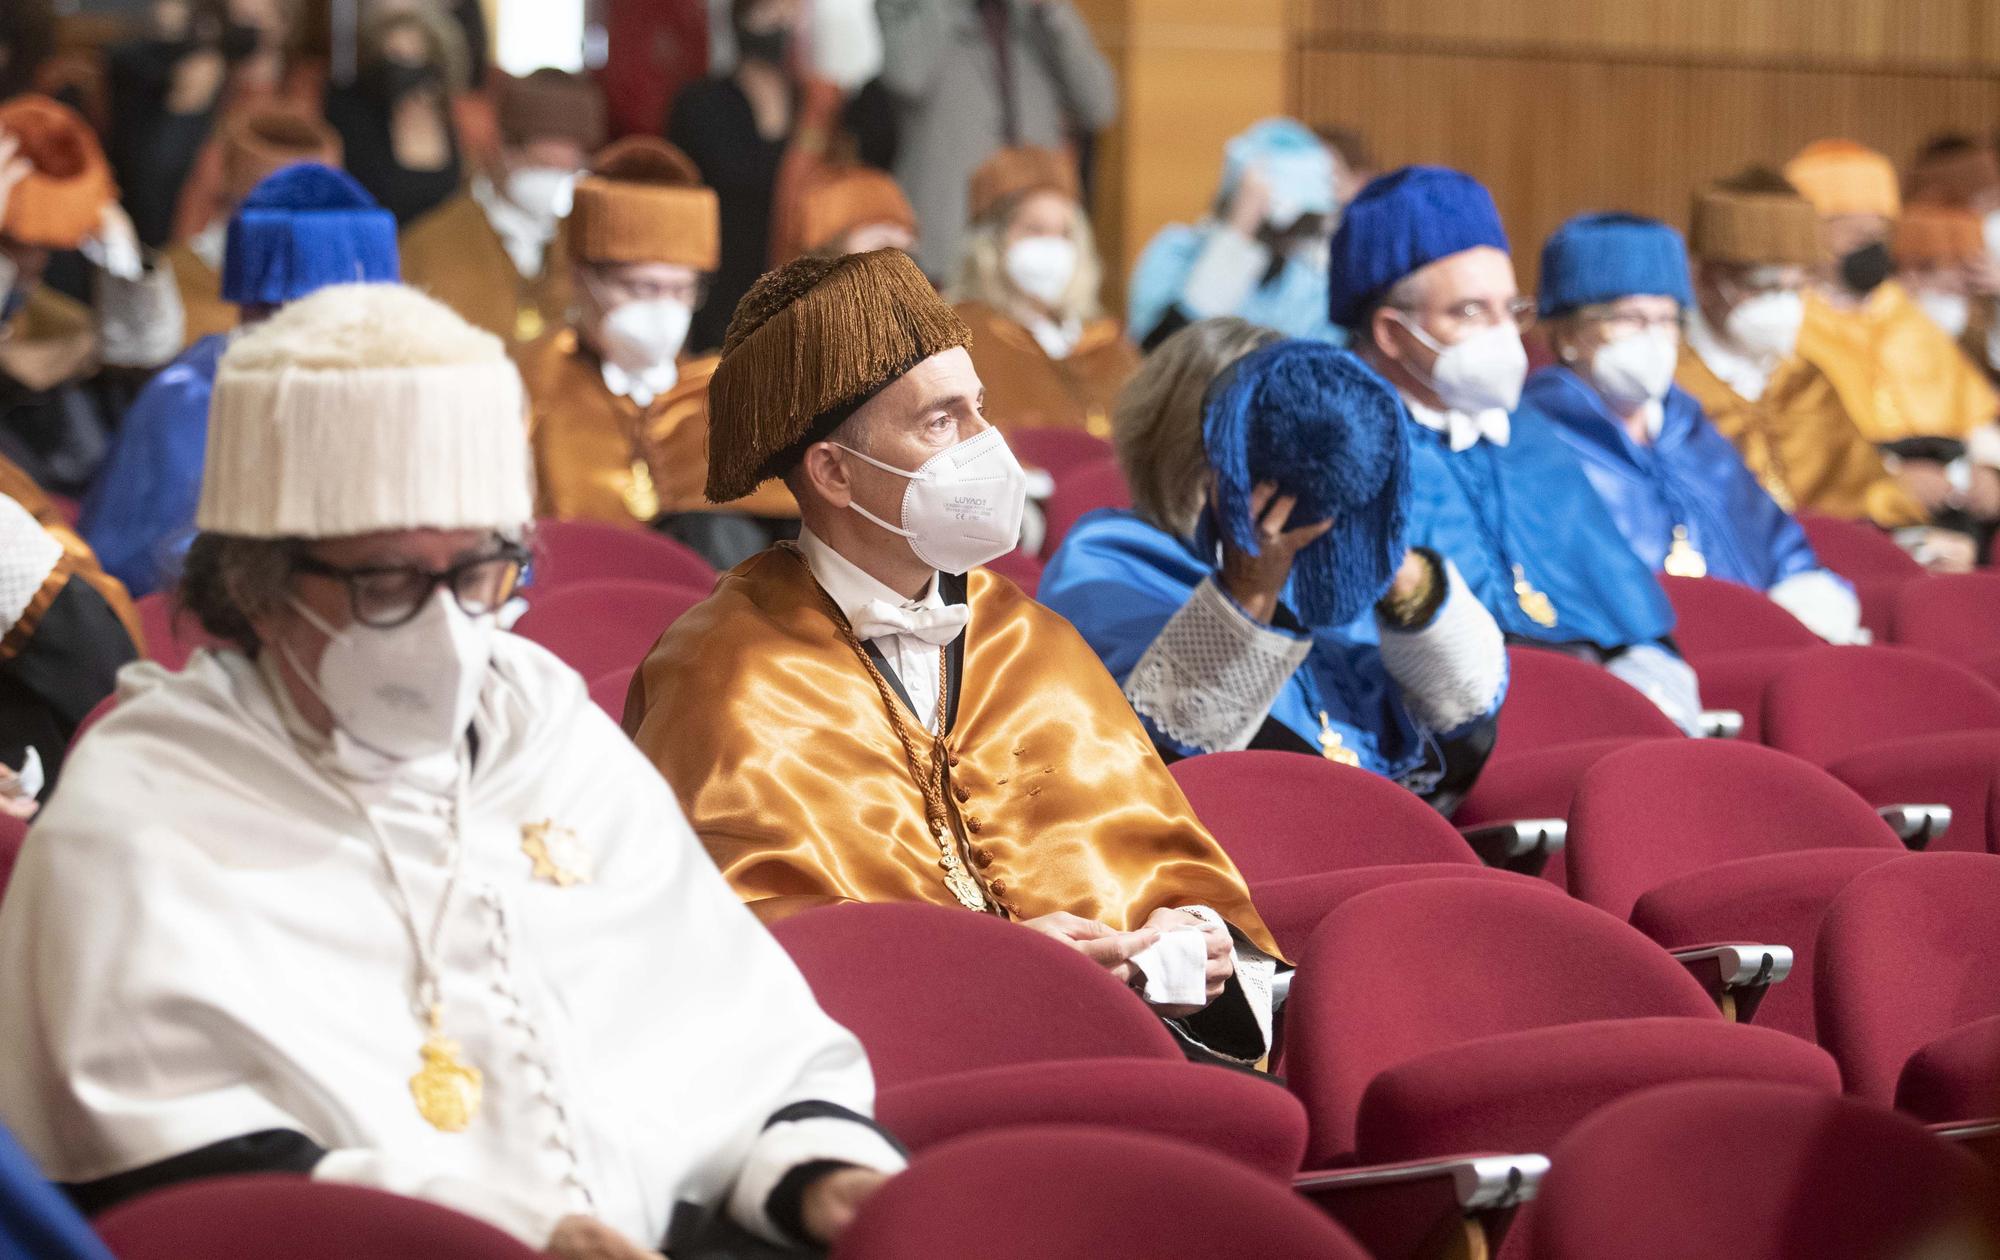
column 302, row 228
column 1319, row 424
column 1603, row 257
column 1401, row 222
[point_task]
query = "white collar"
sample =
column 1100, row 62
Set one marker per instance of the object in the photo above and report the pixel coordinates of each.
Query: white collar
column 210, row 244
column 1746, row 376
column 640, row 387
column 525, row 236
column 854, row 588
column 1057, row 338
column 1463, row 429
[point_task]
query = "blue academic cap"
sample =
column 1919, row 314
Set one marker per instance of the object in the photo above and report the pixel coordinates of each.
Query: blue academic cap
column 1401, row 222
column 1602, row 257
column 303, row 227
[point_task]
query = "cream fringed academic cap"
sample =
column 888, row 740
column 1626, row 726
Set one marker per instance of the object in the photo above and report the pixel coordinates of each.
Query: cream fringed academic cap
column 365, row 407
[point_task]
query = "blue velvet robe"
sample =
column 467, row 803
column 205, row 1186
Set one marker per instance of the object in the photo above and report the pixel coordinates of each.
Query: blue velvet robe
column 1294, row 302
column 1528, row 503
column 1119, row 580
column 1691, row 475
column 35, row 1219
column 139, row 515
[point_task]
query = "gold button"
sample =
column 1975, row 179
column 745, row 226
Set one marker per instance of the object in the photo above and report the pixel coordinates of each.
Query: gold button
column 999, row 887
column 959, row 791
column 984, row 857
column 972, row 825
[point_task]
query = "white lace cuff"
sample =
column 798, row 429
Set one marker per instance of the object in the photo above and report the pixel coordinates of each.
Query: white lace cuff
column 1223, row 274
column 1451, row 670
column 140, row 321
column 1210, row 678
column 1824, row 603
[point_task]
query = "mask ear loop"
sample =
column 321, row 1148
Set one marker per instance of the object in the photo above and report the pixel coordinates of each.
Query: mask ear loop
column 304, row 675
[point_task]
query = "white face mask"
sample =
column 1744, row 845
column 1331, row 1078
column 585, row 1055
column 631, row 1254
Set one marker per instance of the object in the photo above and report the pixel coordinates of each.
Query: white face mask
column 963, row 507
column 407, row 692
column 1481, row 373
column 1767, row 325
column 1949, row 311
column 1042, row 267
column 545, row 192
column 640, row 336
column 1636, row 369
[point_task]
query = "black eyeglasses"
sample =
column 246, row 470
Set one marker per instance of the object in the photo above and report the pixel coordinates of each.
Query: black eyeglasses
column 386, row 596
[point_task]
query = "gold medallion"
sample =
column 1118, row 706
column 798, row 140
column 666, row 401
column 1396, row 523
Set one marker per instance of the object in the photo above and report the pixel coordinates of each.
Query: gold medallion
column 642, row 499
column 528, row 323
column 557, row 852
column 446, row 1088
column 1539, row 607
column 1683, row 561
column 1330, row 745
column 964, row 887
column 1781, row 494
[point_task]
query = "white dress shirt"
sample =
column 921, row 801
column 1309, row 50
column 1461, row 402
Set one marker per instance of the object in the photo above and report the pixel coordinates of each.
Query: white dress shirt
column 1463, row 429
column 1747, row 377
column 914, row 660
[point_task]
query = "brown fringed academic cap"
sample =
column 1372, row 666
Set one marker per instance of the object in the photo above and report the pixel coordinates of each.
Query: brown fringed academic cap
column 268, row 138
column 1754, row 219
column 808, row 345
column 1012, row 172
column 1953, row 171
column 643, row 201
column 1937, row 236
column 550, row 104
column 843, row 199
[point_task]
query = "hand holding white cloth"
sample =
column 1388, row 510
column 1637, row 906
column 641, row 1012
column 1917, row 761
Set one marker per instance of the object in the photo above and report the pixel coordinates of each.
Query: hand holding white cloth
column 1175, row 968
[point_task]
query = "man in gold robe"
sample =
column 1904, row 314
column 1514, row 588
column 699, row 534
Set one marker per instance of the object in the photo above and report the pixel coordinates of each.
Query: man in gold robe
column 1904, row 380
column 868, row 715
column 1753, row 240
column 620, row 415
column 493, row 253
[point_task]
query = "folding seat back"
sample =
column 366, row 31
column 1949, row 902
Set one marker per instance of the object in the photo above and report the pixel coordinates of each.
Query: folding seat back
column 1956, row 615
column 569, row 552
column 1655, row 812
column 1856, row 549
column 1832, row 701
column 932, row 991
column 1035, row 1192
column 1908, row 952
column 1712, row 615
column 273, row 1217
column 1756, row 1171
column 1020, row 568
column 1058, row 452
column 1280, row 815
column 1554, row 699
column 599, row 627
column 608, row 691
column 171, row 636
column 1084, row 488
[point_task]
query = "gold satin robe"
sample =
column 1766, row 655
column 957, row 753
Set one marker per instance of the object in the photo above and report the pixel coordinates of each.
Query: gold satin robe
column 1898, row 374
column 1026, row 389
column 776, row 741
column 600, row 456
column 454, row 255
column 1800, row 442
column 201, row 295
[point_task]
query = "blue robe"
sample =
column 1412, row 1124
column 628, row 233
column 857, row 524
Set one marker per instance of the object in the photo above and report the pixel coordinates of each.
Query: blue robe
column 1528, row 503
column 35, row 1219
column 1690, row 475
column 139, row 515
column 1294, row 302
column 1119, row 580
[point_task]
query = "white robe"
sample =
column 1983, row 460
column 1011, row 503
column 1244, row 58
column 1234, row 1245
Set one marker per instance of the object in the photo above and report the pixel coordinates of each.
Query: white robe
column 201, row 944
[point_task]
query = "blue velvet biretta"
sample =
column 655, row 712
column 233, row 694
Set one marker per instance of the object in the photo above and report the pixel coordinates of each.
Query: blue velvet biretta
column 1401, row 222
column 1318, row 423
column 302, row 228
column 1603, row 257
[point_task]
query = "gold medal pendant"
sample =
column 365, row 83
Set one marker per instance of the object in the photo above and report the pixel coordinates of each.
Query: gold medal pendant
column 642, row 499
column 557, row 853
column 446, row 1088
column 1683, row 561
column 1331, row 746
column 956, row 877
column 528, row 323
column 1539, row 607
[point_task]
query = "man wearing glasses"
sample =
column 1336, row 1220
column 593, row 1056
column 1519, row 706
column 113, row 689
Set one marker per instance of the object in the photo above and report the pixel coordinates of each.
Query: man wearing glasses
column 1422, row 281
column 375, row 893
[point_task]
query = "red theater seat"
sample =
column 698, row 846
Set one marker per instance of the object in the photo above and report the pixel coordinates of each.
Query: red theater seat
column 1711, row 616
column 1871, row 560
column 1755, row 1172
column 13, row 832
column 609, row 691
column 1075, row 1191
column 171, row 638
column 1058, row 452
column 1955, row 615
column 569, row 552
column 1909, row 955
column 1020, row 568
column 1458, row 1015
column 292, row 1218
column 1085, row 488
column 1706, row 842
column 598, row 628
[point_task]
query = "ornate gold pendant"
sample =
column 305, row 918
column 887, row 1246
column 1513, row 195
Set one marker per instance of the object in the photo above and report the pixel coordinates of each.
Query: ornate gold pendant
column 642, row 498
column 1683, row 560
column 557, row 852
column 447, row 1088
column 964, row 887
column 1539, row 607
column 1332, row 747
column 528, row 323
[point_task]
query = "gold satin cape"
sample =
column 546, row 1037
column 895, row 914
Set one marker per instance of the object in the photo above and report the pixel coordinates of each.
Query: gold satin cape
column 1026, row 389
column 454, row 255
column 201, row 295
column 1898, row 374
column 764, row 721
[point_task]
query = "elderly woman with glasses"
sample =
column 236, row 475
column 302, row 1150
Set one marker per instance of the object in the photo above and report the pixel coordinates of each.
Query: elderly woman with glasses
column 1614, row 287
column 374, row 893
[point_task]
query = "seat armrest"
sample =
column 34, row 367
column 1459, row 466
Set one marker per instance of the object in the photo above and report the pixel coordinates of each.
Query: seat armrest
column 1523, row 846
column 1431, row 1209
column 1736, row 976
column 1978, row 1138
column 1721, row 724
column 1917, row 825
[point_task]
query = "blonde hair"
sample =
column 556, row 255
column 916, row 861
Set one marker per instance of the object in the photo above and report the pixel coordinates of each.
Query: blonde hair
column 1156, row 421
column 982, row 271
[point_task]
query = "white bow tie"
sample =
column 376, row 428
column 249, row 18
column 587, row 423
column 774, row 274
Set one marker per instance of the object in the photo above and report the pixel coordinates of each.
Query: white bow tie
column 936, row 626
column 1466, row 430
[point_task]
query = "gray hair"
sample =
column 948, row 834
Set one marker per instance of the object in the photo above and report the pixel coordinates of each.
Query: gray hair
column 1156, row 421
column 227, row 582
column 982, row 272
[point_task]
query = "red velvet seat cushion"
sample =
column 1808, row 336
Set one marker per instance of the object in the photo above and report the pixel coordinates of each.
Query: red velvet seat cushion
column 598, row 628
column 1960, row 769
column 1292, row 908
column 1954, row 1077
column 568, row 553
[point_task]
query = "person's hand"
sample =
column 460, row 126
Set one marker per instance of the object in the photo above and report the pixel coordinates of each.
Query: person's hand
column 1982, row 498
column 1249, row 204
column 1255, row 582
column 1926, row 481
column 587, row 1238
column 1221, row 954
column 1100, row 942
column 1946, row 551
column 830, row 1204
column 1411, row 576
column 196, row 81
column 14, row 167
